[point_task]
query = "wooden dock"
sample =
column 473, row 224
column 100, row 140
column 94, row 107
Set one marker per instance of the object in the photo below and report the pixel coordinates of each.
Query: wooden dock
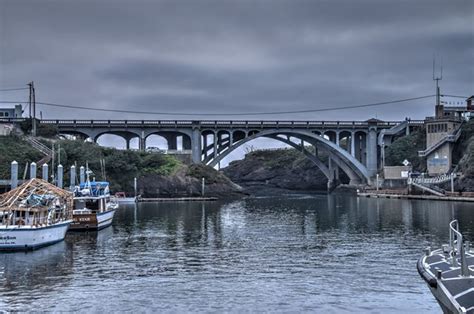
column 177, row 199
column 417, row 197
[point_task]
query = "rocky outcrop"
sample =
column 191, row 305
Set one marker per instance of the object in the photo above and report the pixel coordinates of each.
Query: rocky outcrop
column 187, row 181
column 270, row 171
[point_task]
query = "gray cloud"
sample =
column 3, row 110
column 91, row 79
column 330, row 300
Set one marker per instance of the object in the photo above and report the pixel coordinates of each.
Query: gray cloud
column 234, row 56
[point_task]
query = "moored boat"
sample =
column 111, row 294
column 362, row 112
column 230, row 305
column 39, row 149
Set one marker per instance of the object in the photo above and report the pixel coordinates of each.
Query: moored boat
column 34, row 215
column 94, row 208
column 449, row 272
column 122, row 198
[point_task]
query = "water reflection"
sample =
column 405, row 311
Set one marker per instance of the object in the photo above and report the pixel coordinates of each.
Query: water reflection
column 319, row 253
column 39, row 269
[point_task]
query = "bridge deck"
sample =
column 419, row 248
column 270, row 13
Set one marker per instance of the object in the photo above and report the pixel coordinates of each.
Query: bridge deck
column 215, row 123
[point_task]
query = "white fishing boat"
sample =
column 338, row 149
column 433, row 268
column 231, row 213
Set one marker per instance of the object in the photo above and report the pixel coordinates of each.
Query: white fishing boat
column 34, row 215
column 94, row 208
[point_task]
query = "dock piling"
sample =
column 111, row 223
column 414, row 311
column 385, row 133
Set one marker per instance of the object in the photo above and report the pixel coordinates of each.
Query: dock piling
column 14, row 175
column 45, row 172
column 72, row 177
column 60, row 176
column 32, row 170
column 82, row 174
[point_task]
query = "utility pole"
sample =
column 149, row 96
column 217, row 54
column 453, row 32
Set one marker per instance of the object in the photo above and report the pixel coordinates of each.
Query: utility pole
column 32, row 102
column 438, row 97
column 29, row 101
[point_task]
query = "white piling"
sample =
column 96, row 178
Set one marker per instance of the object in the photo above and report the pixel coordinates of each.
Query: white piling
column 135, row 186
column 377, row 183
column 203, row 186
column 60, row 176
column 452, row 182
column 32, row 170
column 45, row 172
column 82, row 175
column 14, row 175
column 72, row 177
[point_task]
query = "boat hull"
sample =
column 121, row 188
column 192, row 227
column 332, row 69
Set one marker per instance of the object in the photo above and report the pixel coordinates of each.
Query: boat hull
column 126, row 200
column 84, row 222
column 21, row 238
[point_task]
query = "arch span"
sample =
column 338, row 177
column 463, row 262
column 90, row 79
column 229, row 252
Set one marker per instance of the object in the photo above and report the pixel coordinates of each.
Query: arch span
column 344, row 159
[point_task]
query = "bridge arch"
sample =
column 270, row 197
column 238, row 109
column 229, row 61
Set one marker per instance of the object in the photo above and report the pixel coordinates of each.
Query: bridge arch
column 344, row 159
column 172, row 138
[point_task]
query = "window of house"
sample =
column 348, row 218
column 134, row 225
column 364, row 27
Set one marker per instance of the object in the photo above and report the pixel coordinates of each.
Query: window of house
column 1, row 114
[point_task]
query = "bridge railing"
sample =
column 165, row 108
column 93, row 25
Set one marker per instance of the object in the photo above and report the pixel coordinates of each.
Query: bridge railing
column 218, row 123
column 12, row 120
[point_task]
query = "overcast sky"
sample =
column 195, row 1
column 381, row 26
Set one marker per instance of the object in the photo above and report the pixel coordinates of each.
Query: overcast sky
column 235, row 56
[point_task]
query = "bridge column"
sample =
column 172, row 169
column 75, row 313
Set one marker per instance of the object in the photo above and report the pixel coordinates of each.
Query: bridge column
column 353, row 144
column 333, row 171
column 187, row 142
column 372, row 152
column 215, row 145
column 142, row 142
column 204, row 144
column 337, row 138
column 196, row 146
column 127, row 139
column 172, row 140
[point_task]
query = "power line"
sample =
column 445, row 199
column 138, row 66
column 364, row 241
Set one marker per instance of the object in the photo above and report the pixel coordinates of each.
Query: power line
column 226, row 114
column 12, row 89
column 455, row 96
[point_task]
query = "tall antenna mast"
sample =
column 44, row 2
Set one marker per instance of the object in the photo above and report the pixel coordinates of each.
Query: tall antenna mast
column 437, row 79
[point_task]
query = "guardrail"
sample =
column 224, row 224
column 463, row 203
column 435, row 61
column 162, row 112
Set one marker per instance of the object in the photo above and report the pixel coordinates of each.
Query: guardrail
column 215, row 123
column 212, row 123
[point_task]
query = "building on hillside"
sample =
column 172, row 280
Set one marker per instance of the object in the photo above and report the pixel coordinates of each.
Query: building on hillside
column 12, row 112
column 442, row 131
column 459, row 112
column 440, row 139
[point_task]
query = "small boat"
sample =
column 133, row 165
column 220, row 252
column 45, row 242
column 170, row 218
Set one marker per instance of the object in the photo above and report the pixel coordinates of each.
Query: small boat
column 122, row 198
column 34, row 215
column 94, row 208
column 449, row 272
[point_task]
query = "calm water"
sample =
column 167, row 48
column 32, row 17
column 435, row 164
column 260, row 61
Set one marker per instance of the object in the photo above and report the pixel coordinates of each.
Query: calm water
column 292, row 254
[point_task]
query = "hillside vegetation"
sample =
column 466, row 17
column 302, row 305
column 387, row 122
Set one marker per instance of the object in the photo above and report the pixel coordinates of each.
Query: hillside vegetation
column 158, row 175
column 407, row 147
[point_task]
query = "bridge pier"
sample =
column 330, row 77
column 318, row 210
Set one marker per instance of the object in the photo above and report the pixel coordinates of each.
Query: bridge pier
column 187, row 145
column 142, row 142
column 353, row 144
column 171, row 140
column 196, row 146
column 372, row 152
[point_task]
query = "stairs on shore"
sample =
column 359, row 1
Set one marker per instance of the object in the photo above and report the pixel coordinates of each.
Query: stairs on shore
column 430, row 189
column 45, row 150
column 451, row 138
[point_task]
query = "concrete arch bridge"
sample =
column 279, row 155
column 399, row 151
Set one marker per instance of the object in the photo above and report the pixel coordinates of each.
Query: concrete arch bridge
column 355, row 147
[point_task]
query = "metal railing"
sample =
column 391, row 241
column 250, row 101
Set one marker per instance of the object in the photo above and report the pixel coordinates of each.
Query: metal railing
column 217, row 123
column 436, row 180
column 456, row 244
column 448, row 138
